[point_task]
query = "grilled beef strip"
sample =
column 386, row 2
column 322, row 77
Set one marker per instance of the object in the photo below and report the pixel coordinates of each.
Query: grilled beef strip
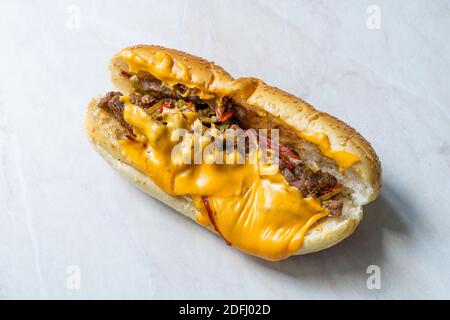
column 145, row 82
column 334, row 207
column 145, row 101
column 310, row 183
column 112, row 104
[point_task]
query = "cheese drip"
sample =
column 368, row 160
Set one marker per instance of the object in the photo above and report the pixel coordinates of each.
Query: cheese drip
column 256, row 212
column 344, row 159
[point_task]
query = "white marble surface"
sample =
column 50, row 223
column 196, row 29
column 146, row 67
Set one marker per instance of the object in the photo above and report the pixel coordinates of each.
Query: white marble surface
column 61, row 205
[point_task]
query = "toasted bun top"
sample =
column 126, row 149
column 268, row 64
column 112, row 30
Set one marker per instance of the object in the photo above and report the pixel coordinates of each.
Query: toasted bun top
column 172, row 67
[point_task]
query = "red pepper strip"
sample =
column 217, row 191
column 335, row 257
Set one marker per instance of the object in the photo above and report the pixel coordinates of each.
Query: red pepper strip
column 126, row 74
column 130, row 136
column 223, row 117
column 226, row 116
column 166, row 104
column 285, row 153
column 289, row 165
column 337, row 186
column 190, row 106
column 211, row 218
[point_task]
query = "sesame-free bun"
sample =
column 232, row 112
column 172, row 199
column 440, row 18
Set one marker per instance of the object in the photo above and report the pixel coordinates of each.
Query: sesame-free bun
column 363, row 178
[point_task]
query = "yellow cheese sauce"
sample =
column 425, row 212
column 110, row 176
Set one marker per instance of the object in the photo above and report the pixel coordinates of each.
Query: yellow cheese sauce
column 344, row 159
column 164, row 68
column 257, row 213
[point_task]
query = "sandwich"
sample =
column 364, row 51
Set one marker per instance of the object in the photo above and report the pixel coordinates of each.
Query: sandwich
column 261, row 168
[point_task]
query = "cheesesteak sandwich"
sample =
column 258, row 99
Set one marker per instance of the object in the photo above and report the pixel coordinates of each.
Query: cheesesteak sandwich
column 187, row 133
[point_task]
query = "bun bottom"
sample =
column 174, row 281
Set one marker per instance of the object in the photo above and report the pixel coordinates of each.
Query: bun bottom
column 104, row 132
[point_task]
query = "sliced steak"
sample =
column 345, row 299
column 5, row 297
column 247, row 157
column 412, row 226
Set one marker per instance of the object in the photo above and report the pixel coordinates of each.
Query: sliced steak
column 112, row 104
column 290, row 177
column 324, row 181
column 145, row 101
column 334, row 206
column 155, row 86
column 299, row 170
column 310, row 183
column 146, row 83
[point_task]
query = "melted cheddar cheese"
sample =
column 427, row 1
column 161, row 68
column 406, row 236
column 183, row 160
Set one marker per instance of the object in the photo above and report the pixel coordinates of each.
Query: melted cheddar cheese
column 258, row 213
column 343, row 159
column 164, row 68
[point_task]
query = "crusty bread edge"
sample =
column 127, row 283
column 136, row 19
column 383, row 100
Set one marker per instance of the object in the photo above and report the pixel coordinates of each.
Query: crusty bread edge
column 104, row 131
